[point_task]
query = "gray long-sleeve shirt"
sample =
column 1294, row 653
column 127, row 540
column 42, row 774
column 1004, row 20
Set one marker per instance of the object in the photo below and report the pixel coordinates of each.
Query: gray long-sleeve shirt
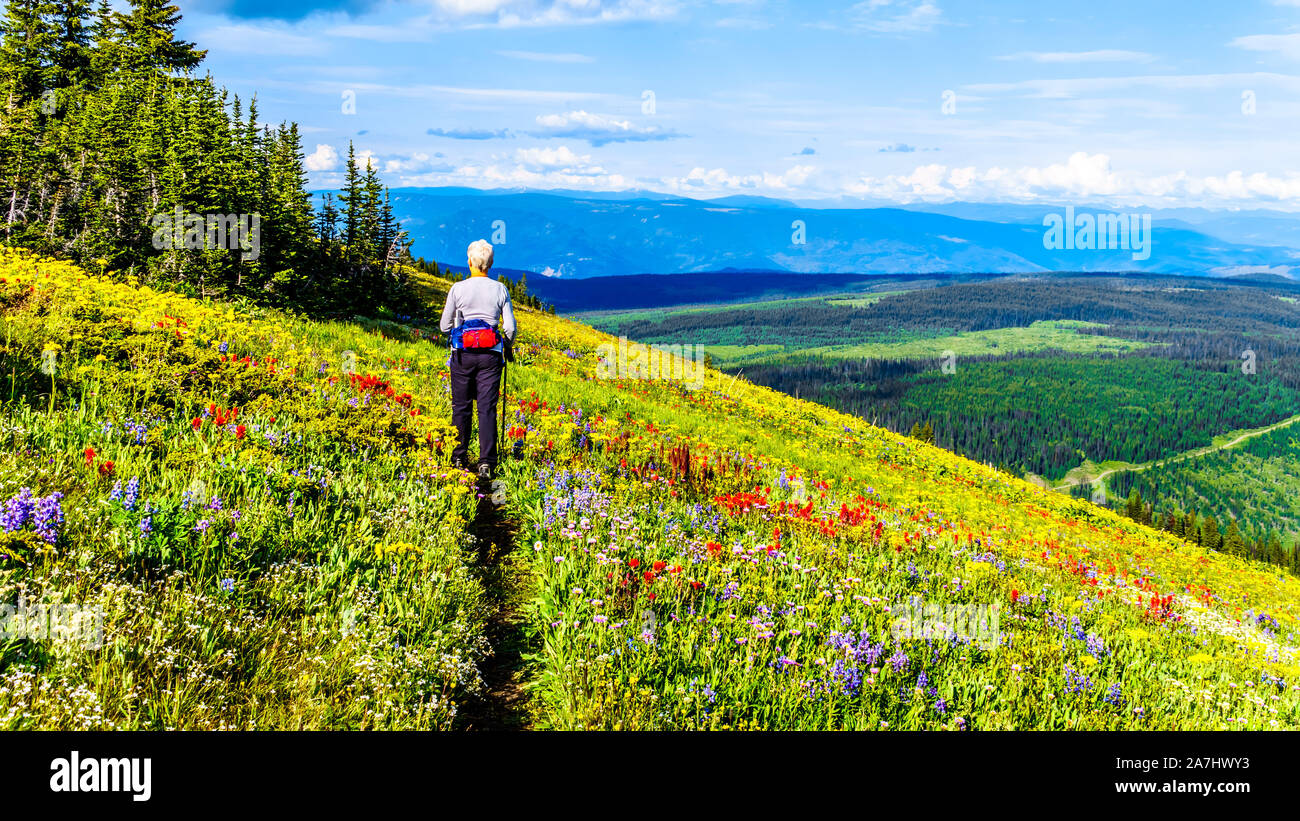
column 479, row 298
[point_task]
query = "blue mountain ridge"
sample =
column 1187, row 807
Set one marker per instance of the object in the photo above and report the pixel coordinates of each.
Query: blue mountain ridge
column 574, row 234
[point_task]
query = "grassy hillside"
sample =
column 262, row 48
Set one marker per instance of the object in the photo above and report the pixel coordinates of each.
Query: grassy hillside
column 1257, row 482
column 727, row 557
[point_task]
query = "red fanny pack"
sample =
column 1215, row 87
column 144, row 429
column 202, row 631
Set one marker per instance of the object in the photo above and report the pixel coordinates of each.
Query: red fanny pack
column 479, row 338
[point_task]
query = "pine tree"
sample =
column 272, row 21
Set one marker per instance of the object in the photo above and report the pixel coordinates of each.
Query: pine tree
column 99, row 138
column 1210, row 537
column 1133, row 509
column 1232, row 541
column 26, row 52
column 148, row 37
column 351, row 201
column 72, row 59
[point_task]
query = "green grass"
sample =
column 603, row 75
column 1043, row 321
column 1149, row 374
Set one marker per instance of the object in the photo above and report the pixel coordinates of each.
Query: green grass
column 1061, row 335
column 724, row 354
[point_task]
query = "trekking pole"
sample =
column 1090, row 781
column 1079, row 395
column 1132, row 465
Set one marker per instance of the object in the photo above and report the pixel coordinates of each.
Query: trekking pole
column 502, row 451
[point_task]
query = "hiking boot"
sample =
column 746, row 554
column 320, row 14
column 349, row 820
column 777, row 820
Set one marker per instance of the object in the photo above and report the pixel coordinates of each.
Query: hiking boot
column 485, row 471
column 458, row 463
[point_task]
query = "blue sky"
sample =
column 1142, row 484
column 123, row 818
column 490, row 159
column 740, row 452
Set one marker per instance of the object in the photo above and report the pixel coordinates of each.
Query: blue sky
column 1157, row 103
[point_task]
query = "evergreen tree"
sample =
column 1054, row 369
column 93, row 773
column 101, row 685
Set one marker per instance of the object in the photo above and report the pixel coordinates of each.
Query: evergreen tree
column 99, row 139
column 1210, row 533
column 1133, row 509
column 148, row 39
column 1232, row 541
column 72, row 59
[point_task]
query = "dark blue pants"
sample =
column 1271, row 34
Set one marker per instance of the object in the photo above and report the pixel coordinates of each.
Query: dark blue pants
column 475, row 376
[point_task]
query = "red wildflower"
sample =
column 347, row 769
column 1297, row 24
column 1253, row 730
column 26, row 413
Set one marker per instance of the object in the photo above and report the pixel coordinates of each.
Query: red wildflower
column 633, row 562
column 196, row 422
column 106, row 468
column 239, row 431
column 90, row 455
column 649, row 576
column 659, row 566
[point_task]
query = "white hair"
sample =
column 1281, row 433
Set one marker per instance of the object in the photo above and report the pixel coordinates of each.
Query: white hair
column 480, row 254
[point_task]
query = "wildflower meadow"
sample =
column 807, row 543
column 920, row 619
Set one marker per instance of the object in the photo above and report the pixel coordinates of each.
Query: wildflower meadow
column 260, row 511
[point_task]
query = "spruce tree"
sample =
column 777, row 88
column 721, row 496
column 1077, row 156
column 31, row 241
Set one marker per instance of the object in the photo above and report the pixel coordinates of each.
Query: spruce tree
column 148, row 37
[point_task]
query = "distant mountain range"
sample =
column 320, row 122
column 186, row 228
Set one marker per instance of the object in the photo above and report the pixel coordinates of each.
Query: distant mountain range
column 574, row 234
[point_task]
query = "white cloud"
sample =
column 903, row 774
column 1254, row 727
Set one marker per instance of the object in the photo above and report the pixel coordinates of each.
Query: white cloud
column 324, row 158
column 598, row 129
column 718, row 180
column 1286, row 45
column 525, row 96
column 462, row 8
column 1064, row 88
column 558, row 167
column 416, row 163
column 551, row 158
column 1082, row 177
column 894, row 16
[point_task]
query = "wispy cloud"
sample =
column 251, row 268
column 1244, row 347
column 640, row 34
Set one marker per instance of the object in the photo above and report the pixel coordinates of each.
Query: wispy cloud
column 1284, row 45
column 598, row 129
column 896, row 16
column 1083, row 176
column 470, row 133
column 1084, row 85
column 524, row 96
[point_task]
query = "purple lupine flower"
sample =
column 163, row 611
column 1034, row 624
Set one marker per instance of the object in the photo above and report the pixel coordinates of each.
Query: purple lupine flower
column 1115, row 696
column 132, row 493
column 203, row 525
column 47, row 517
column 898, row 661
column 17, row 511
column 1096, row 646
column 146, row 525
column 848, row 677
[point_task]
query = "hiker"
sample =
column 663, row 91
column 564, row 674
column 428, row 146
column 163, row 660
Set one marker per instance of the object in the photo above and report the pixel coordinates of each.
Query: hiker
column 479, row 346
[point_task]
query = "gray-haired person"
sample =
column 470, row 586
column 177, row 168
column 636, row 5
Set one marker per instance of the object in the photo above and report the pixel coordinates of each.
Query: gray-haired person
column 478, row 342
